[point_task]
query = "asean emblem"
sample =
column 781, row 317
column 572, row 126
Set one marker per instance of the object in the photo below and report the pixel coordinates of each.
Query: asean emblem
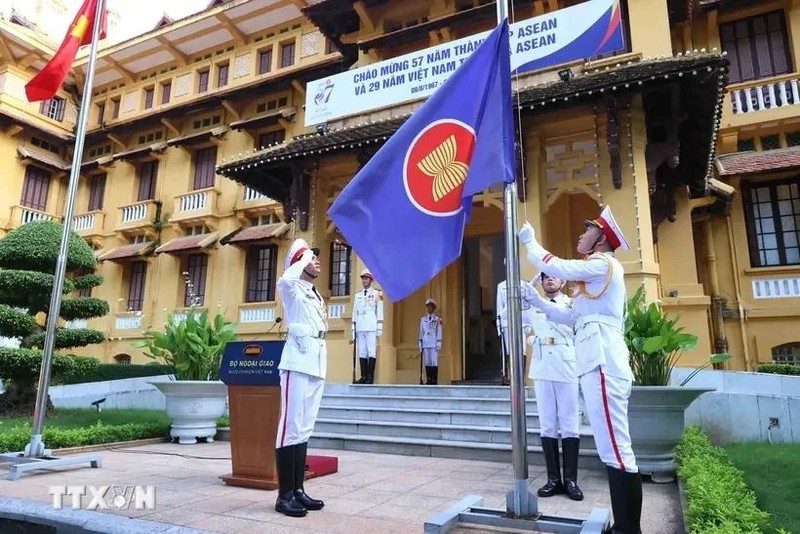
column 436, row 167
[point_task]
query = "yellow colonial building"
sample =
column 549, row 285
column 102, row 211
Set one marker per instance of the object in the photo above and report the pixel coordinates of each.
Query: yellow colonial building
column 199, row 169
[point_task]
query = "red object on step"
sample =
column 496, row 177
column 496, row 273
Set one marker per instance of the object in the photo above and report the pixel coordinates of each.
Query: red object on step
column 317, row 466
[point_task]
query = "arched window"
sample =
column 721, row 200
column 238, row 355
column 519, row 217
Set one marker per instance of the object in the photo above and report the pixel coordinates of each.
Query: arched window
column 788, row 353
column 123, row 359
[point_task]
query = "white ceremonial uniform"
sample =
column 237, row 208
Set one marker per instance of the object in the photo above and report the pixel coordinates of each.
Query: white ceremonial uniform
column 502, row 315
column 304, row 358
column 430, row 338
column 367, row 321
column 553, row 373
column 602, row 365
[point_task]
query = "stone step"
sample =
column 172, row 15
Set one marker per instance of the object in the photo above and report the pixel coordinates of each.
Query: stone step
column 422, row 415
column 431, row 403
column 437, row 432
column 472, row 392
column 464, row 450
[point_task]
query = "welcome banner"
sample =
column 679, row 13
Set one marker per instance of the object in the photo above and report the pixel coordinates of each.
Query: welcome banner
column 585, row 30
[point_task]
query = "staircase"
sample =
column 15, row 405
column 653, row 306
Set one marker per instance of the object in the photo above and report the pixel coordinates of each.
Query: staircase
column 464, row 422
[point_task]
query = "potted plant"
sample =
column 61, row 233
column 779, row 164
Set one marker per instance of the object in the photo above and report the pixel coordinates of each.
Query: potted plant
column 193, row 345
column 656, row 409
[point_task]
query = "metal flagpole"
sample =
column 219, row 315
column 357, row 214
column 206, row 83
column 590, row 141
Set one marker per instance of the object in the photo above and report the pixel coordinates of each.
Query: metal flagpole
column 35, row 451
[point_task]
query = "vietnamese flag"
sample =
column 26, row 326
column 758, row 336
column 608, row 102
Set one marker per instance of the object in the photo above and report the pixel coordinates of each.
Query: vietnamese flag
column 49, row 80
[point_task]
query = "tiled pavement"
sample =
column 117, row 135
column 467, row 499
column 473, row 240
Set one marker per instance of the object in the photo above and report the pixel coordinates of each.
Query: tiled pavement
column 371, row 493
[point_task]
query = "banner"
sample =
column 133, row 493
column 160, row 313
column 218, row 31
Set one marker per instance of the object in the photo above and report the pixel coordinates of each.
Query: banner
column 585, row 30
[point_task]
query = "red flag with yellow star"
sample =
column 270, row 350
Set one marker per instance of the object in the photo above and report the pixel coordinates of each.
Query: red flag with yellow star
column 49, row 80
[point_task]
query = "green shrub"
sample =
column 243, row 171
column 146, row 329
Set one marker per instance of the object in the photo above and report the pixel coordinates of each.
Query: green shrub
column 14, row 323
column 35, row 246
column 87, row 281
column 24, row 364
column 779, row 369
column 67, row 338
column 83, row 308
column 718, row 498
column 114, row 371
column 16, row 437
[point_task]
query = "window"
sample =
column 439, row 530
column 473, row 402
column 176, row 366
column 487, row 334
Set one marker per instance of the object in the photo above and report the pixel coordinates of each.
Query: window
column 746, row 145
column 757, row 46
column 101, row 113
column 148, row 174
column 287, row 54
column 202, row 81
column 205, row 161
column 97, row 190
column 261, row 267
column 195, row 287
column 123, row 359
column 148, row 97
column 270, row 138
column 166, row 91
column 340, row 270
column 222, row 75
column 138, row 276
column 115, row 108
column 36, row 188
column 53, row 108
column 788, row 353
column 773, row 222
column 770, row 142
column 265, row 61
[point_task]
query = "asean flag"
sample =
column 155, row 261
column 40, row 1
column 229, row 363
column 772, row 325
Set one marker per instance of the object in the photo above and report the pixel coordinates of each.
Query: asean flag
column 49, row 80
column 405, row 212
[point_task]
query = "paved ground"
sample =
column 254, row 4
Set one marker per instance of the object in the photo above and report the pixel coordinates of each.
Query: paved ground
column 371, row 493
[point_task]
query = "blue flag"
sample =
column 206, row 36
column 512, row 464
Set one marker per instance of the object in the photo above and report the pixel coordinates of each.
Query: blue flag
column 404, row 213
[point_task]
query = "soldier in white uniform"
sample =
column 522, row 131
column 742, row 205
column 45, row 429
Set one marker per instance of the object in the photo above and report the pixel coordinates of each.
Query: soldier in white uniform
column 367, row 326
column 303, row 366
column 603, row 367
column 502, row 326
column 556, row 384
column 430, row 341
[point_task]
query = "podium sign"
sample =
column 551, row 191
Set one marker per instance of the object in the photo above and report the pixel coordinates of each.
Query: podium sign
column 251, row 363
column 250, row 369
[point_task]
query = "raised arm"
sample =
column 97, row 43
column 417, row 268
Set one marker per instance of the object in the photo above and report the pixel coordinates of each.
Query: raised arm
column 555, row 311
column 551, row 265
column 287, row 284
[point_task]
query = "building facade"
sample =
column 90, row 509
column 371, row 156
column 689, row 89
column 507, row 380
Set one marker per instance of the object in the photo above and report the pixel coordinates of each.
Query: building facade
column 198, row 170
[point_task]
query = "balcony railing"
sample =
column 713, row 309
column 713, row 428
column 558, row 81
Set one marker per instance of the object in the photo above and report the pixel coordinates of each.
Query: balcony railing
column 23, row 215
column 89, row 223
column 134, row 216
column 336, row 311
column 263, row 313
column 776, row 288
column 764, row 94
column 77, row 323
column 195, row 205
column 251, row 195
column 128, row 321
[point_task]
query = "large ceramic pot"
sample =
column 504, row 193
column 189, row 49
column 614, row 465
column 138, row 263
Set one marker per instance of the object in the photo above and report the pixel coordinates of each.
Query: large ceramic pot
column 193, row 407
column 656, row 421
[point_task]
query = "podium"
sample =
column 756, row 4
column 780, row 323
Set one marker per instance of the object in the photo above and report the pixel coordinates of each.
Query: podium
column 250, row 370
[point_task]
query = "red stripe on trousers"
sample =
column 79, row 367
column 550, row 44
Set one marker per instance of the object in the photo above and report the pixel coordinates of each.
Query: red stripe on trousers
column 285, row 408
column 608, row 421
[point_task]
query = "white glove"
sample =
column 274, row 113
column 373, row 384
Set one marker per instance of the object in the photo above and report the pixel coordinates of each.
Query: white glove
column 527, row 233
column 526, row 291
column 353, row 333
column 379, row 332
column 439, row 346
column 302, row 343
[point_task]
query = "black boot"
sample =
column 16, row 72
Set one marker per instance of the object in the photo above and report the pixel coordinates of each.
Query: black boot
column 362, row 362
column 626, row 500
column 287, row 504
column 370, row 370
column 301, row 451
column 435, row 374
column 428, row 375
column 551, row 459
column 570, row 447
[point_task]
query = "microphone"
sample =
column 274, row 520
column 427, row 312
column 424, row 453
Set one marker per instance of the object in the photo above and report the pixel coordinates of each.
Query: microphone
column 274, row 324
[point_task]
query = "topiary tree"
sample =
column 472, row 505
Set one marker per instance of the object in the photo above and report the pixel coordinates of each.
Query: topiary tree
column 28, row 258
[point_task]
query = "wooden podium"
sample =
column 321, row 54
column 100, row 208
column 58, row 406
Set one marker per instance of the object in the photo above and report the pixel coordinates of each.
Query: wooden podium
column 250, row 369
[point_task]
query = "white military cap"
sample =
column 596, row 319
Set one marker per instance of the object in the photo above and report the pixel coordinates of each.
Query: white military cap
column 610, row 228
column 296, row 252
column 366, row 272
column 430, row 301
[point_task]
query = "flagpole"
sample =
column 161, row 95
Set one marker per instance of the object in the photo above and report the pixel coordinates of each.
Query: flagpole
column 520, row 502
column 36, row 447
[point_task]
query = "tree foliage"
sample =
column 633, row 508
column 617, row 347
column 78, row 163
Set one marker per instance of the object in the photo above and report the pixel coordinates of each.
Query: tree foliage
column 35, row 247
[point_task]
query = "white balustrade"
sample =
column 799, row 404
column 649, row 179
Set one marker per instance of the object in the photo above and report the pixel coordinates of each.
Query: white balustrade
column 252, row 194
column 77, row 323
column 83, row 222
column 128, row 322
column 264, row 314
column 194, row 201
column 769, row 95
column 134, row 213
column 29, row 215
column 335, row 311
column 776, row 288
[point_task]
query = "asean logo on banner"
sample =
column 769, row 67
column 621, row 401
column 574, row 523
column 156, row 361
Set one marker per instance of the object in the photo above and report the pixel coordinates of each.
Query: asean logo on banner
column 436, row 167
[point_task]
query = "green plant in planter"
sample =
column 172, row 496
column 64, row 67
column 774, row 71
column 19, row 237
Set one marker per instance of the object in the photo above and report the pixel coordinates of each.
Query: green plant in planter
column 655, row 343
column 193, row 346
